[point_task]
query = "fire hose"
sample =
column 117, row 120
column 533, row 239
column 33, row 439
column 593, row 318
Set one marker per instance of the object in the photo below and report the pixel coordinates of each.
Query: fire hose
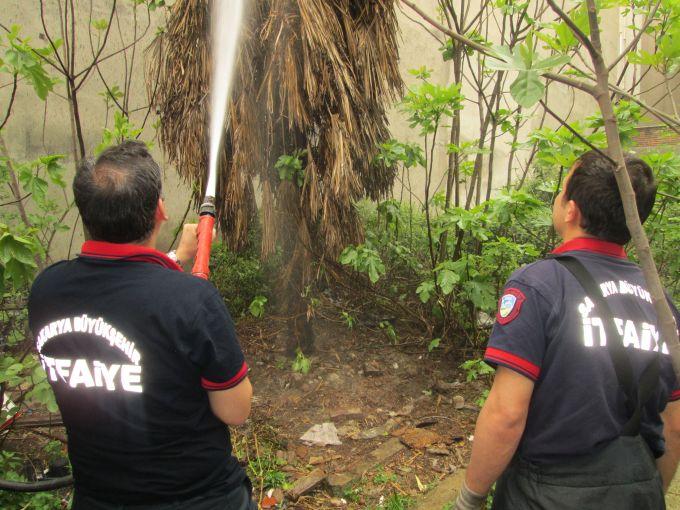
column 48, row 484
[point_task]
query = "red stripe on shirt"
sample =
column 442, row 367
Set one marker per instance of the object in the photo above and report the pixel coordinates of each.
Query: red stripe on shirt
column 593, row 245
column 131, row 252
column 513, row 361
column 234, row 381
column 674, row 396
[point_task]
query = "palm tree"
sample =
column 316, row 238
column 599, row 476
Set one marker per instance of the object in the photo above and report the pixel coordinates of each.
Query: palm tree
column 312, row 82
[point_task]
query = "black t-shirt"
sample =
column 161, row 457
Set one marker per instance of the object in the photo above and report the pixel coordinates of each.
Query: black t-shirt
column 546, row 330
column 130, row 345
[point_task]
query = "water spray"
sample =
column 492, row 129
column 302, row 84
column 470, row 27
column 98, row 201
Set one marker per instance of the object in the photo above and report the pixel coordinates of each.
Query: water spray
column 226, row 23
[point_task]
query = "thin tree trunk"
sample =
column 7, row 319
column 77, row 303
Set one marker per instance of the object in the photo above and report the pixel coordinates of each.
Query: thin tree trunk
column 667, row 326
column 73, row 97
column 667, row 81
column 428, row 181
column 16, row 191
column 476, row 175
column 513, row 147
column 492, row 148
column 453, row 175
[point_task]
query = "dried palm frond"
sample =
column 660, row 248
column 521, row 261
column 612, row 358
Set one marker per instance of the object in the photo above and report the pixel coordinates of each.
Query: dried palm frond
column 311, row 74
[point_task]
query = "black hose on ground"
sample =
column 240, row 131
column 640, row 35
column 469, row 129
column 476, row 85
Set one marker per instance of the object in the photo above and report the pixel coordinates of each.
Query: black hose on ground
column 49, row 484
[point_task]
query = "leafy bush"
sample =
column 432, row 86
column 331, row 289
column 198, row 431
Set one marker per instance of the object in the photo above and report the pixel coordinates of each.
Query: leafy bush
column 12, row 467
column 301, row 364
column 486, row 244
column 240, row 279
column 663, row 225
column 440, row 262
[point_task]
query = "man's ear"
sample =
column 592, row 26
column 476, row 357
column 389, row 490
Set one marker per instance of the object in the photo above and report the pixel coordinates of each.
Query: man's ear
column 161, row 215
column 572, row 214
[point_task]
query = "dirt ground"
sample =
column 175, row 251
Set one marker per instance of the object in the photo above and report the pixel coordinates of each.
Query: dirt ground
column 412, row 407
column 405, row 418
column 392, row 405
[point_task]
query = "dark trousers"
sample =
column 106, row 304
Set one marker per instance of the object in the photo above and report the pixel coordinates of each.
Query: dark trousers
column 238, row 499
column 621, row 476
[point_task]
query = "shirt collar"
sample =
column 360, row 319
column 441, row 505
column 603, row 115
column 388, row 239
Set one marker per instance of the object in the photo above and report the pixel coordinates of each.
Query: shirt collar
column 128, row 252
column 592, row 245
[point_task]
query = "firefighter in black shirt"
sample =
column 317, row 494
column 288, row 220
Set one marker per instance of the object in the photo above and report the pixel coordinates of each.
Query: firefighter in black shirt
column 143, row 358
column 555, row 430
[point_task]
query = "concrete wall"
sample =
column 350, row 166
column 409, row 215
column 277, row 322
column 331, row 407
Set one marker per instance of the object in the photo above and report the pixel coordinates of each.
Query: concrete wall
column 422, row 49
column 38, row 128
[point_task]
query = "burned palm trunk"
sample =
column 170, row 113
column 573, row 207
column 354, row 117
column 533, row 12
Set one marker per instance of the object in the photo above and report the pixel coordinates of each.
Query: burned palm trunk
column 313, row 76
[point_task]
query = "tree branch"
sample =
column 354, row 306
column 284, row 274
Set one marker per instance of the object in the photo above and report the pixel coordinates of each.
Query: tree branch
column 454, row 35
column 672, row 197
column 486, row 51
column 572, row 26
column 11, row 101
column 577, row 84
column 95, row 59
column 574, row 132
column 123, row 49
column 21, row 199
column 671, row 122
column 636, row 39
column 49, row 38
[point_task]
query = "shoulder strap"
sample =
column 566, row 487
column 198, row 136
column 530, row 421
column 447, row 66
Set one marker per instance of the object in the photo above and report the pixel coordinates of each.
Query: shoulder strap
column 635, row 398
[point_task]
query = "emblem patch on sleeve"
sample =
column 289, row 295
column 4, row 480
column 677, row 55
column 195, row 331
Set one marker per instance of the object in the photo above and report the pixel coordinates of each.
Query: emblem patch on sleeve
column 509, row 305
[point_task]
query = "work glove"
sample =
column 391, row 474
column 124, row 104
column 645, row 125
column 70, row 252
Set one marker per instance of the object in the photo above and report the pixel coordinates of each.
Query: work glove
column 468, row 499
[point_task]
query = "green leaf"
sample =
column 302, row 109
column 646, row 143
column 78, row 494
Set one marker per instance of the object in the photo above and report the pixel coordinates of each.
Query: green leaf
column 100, row 24
column 22, row 60
column 123, row 130
column 54, row 169
column 375, row 268
column 645, row 58
column 433, row 344
column 482, row 294
column 290, row 167
column 42, row 392
column 16, row 248
column 447, row 50
column 364, row 259
column 348, row 256
column 425, row 290
column 19, row 272
column 527, row 89
column 256, row 307
column 302, row 364
column 407, row 153
column 389, row 331
column 506, row 60
column 447, row 279
column 349, row 319
column 428, row 105
column 552, row 61
column 422, row 73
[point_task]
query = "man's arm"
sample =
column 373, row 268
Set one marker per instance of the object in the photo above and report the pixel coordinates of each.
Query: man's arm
column 232, row 406
column 499, row 428
column 668, row 462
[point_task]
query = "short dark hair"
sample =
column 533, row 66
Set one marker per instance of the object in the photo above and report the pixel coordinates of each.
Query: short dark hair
column 117, row 194
column 593, row 187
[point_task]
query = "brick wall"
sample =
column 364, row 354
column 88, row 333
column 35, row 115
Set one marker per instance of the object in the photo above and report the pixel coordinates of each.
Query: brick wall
column 649, row 137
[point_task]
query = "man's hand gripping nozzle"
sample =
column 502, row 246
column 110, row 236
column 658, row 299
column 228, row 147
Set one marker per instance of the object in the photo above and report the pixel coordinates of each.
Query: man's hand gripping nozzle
column 206, row 223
